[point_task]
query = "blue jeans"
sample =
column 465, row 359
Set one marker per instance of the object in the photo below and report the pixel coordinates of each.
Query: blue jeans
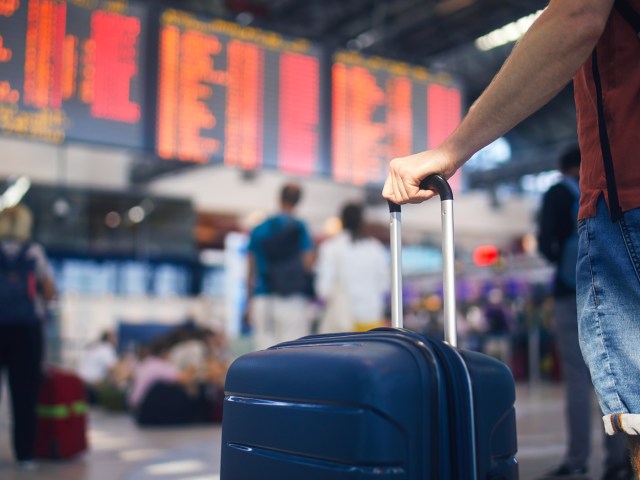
column 608, row 298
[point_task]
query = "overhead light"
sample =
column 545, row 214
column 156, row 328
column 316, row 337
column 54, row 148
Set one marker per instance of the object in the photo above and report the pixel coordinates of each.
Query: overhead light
column 112, row 220
column 245, row 18
column 12, row 195
column 511, row 32
column 364, row 40
column 136, row 214
column 61, row 207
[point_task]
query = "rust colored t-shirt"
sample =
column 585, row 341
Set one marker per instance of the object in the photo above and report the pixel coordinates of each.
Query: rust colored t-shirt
column 619, row 65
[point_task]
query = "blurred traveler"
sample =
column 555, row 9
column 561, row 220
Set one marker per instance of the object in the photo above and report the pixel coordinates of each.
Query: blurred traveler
column 97, row 362
column 218, row 356
column 558, row 242
column 352, row 277
column 188, row 350
column 26, row 283
column 498, row 341
column 203, row 351
column 279, row 281
column 596, row 45
column 154, row 368
column 496, row 313
column 164, row 394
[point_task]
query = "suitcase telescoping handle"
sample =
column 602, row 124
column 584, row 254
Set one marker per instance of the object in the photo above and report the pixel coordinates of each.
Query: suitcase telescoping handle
column 440, row 185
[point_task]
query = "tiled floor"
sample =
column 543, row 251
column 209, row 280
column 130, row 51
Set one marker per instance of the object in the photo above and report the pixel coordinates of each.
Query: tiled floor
column 122, row 451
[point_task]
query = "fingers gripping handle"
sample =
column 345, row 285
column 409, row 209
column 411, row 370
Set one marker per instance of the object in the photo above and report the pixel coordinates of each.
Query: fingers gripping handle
column 440, row 185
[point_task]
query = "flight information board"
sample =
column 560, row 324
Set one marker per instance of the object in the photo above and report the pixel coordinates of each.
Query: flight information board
column 72, row 69
column 237, row 95
column 384, row 109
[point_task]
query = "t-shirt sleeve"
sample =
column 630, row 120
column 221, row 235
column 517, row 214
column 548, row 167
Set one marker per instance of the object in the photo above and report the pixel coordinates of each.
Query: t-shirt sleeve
column 306, row 242
column 251, row 246
column 257, row 235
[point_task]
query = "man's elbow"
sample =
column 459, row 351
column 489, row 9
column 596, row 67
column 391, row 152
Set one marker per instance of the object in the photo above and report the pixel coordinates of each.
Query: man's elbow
column 589, row 19
column 592, row 28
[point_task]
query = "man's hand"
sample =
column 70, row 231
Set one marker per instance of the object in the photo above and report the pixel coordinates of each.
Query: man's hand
column 406, row 173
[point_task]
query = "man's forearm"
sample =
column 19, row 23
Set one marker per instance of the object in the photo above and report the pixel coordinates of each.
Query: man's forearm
column 541, row 65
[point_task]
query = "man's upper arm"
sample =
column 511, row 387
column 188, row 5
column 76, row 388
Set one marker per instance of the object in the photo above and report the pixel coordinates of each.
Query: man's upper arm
column 306, row 242
column 251, row 245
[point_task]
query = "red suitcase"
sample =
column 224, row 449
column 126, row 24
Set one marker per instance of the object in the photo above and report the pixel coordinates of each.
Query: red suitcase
column 62, row 416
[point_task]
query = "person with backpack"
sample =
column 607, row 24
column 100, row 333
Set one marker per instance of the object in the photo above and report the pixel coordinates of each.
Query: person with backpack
column 558, row 242
column 26, row 283
column 281, row 259
column 596, row 43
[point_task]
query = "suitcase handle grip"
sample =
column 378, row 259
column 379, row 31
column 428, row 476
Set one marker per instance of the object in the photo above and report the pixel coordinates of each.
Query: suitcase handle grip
column 440, row 185
column 432, row 182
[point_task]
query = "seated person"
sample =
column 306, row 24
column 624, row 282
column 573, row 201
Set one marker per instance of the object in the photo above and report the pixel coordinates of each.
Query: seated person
column 188, row 351
column 217, row 356
column 205, row 353
column 166, row 403
column 97, row 362
column 175, row 385
column 201, row 350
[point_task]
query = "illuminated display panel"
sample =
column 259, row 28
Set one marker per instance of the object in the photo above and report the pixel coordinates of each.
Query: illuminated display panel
column 237, row 95
column 384, row 109
column 72, row 70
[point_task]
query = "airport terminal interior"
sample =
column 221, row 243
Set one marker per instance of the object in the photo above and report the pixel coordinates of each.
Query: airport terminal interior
column 149, row 137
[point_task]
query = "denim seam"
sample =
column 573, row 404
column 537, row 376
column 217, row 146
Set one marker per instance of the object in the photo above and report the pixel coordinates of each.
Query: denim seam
column 593, row 283
column 631, row 250
column 611, row 384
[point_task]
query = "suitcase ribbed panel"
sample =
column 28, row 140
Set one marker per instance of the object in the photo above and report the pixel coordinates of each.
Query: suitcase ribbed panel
column 385, row 404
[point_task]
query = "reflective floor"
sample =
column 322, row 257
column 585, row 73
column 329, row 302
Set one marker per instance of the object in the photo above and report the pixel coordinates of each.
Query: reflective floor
column 122, row 451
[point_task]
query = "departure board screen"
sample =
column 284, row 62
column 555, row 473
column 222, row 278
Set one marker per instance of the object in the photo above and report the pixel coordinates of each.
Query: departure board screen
column 237, row 95
column 384, row 109
column 72, row 70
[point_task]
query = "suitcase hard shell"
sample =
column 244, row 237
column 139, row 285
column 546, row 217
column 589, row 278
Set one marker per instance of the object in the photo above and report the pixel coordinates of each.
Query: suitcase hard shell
column 384, row 404
column 62, row 416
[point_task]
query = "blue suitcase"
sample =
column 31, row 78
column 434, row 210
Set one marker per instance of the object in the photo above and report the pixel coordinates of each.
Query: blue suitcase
column 383, row 404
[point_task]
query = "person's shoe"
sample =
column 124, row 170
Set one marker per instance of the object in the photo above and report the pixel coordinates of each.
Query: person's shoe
column 27, row 465
column 567, row 473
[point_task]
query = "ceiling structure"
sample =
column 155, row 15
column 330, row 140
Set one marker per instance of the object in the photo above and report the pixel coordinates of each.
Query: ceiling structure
column 437, row 34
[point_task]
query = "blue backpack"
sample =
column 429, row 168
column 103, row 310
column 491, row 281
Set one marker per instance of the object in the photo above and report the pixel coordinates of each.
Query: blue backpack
column 569, row 257
column 286, row 274
column 18, row 286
